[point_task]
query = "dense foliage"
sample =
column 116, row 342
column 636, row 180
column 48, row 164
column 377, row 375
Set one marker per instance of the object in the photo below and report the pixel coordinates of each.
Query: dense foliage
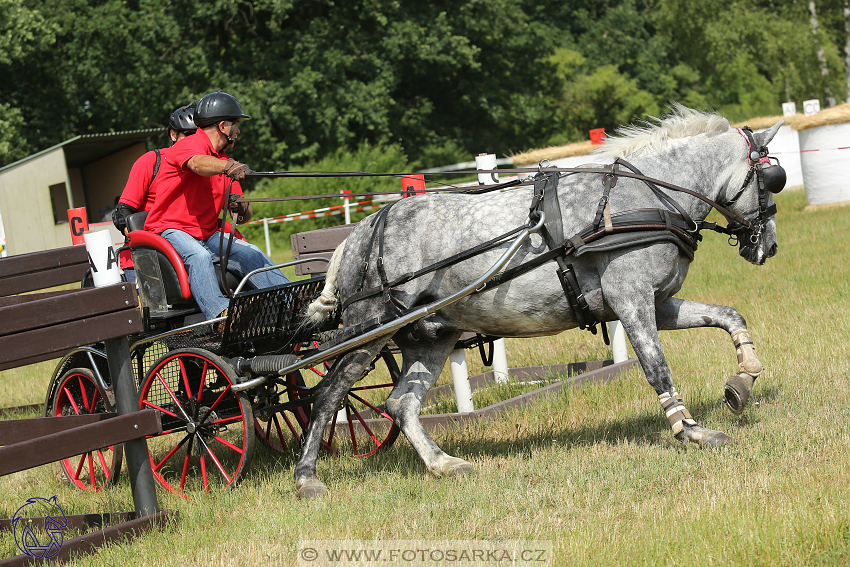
column 442, row 79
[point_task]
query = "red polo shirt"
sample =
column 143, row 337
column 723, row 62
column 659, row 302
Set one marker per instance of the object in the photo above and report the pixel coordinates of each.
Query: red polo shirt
column 139, row 192
column 185, row 200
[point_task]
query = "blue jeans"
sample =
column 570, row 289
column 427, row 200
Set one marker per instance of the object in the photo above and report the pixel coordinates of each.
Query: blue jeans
column 198, row 256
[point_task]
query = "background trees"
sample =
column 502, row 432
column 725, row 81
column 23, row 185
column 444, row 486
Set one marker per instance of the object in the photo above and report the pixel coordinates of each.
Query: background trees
column 439, row 80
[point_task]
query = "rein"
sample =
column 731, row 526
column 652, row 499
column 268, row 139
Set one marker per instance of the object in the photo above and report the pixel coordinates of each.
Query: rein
column 743, row 224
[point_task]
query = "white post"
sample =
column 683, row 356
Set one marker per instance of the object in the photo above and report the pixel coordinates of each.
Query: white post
column 486, row 161
column 268, row 240
column 346, row 207
column 460, row 378
column 500, row 362
column 618, row 341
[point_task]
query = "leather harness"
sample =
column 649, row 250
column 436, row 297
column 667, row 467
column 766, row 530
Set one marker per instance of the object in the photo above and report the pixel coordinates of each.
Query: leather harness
column 606, row 233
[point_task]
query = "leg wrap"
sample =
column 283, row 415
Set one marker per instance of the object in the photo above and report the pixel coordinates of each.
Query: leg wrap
column 675, row 410
column 748, row 362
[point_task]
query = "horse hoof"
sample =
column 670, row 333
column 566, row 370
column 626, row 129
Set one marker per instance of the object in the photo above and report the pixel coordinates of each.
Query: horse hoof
column 717, row 440
column 737, row 392
column 310, row 489
column 452, row 466
column 703, row 437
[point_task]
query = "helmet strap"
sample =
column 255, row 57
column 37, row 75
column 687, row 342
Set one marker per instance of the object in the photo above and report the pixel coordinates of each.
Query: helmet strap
column 227, row 135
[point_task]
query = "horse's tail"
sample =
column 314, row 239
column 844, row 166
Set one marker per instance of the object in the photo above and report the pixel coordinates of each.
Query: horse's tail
column 323, row 306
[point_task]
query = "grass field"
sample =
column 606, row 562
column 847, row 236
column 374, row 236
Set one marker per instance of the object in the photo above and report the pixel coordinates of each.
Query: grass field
column 595, row 471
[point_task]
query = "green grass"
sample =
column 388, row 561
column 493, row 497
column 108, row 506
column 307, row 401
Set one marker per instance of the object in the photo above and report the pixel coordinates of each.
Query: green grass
column 594, row 470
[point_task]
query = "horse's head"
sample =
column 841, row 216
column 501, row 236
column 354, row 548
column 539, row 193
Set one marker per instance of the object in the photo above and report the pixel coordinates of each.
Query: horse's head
column 754, row 199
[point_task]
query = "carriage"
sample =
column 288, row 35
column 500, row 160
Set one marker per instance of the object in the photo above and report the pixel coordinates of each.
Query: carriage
column 218, row 383
column 618, row 254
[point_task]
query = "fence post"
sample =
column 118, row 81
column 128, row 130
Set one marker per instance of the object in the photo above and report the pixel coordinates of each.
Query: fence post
column 268, row 240
column 500, row 362
column 460, row 379
column 136, row 451
column 346, row 205
column 618, row 342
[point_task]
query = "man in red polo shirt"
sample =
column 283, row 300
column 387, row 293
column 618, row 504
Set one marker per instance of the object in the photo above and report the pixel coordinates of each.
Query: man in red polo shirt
column 191, row 187
column 140, row 192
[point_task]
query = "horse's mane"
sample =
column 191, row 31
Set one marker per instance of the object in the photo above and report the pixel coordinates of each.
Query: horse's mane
column 655, row 134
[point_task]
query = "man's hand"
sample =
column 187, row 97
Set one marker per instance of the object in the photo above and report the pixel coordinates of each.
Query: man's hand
column 235, row 170
column 237, row 208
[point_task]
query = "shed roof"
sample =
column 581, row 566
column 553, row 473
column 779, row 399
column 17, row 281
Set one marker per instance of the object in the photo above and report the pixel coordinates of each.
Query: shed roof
column 87, row 148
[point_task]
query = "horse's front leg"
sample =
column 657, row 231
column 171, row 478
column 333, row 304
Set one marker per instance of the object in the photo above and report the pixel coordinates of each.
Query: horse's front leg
column 683, row 314
column 635, row 307
column 422, row 362
column 346, row 371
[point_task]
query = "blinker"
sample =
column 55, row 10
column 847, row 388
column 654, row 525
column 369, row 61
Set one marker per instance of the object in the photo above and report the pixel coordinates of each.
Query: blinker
column 774, row 178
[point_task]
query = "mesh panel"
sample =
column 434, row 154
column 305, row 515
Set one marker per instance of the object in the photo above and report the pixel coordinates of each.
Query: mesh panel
column 270, row 319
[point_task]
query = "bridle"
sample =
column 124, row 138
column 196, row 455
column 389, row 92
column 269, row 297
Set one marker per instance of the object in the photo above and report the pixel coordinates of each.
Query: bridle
column 770, row 178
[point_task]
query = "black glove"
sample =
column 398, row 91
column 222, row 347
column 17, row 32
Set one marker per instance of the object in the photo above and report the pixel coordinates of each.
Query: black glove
column 235, row 170
column 119, row 216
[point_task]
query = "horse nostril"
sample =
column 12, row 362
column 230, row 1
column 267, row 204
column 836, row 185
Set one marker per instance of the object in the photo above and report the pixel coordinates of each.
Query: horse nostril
column 774, row 248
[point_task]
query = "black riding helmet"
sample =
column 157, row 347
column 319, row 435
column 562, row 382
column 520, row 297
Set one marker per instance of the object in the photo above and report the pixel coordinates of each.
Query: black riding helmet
column 183, row 120
column 218, row 106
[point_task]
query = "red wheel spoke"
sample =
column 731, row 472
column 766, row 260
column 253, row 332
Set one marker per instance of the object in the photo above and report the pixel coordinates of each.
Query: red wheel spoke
column 215, row 460
column 366, row 427
column 71, row 400
column 351, row 427
column 103, row 464
column 185, row 375
column 171, row 453
column 172, row 395
column 162, row 409
column 80, row 467
column 224, row 441
column 289, row 425
column 203, row 380
column 84, row 394
column 91, row 472
column 221, row 397
column 204, row 474
column 225, row 420
column 373, row 387
column 371, row 407
column 185, row 469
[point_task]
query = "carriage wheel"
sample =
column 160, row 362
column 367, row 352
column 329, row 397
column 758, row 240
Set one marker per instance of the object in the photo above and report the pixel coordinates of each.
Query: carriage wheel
column 78, row 394
column 367, row 424
column 207, row 438
column 362, row 421
column 282, row 431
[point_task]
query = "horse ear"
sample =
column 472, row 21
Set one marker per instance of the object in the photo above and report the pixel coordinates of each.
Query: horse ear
column 764, row 138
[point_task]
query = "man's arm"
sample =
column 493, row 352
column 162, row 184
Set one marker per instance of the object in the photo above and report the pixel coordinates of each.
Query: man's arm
column 206, row 165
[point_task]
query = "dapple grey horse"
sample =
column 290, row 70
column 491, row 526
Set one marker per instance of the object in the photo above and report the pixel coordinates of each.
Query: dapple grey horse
column 636, row 285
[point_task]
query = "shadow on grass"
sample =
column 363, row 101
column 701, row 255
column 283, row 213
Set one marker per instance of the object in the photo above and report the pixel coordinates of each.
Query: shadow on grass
column 477, row 439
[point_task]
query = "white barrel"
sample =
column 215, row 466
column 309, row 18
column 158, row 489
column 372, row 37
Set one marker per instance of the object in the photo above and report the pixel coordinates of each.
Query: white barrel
column 103, row 260
column 486, row 161
column 824, row 163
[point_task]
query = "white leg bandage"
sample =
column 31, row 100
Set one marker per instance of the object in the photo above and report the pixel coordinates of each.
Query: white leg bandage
column 748, row 362
column 675, row 410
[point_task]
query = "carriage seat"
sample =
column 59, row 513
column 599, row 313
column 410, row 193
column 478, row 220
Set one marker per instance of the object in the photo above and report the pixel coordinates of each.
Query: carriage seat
column 175, row 279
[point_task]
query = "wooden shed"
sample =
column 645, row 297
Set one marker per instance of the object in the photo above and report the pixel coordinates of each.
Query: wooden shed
column 85, row 171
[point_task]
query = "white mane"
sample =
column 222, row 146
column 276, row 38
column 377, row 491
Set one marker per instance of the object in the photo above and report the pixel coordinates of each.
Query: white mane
column 654, row 135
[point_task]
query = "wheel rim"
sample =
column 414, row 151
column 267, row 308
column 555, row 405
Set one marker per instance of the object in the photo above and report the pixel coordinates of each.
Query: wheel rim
column 78, row 394
column 205, row 442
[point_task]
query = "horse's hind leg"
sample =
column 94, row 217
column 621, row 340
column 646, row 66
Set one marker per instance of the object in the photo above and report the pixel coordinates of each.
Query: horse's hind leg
column 422, row 363
column 633, row 304
column 345, row 372
column 682, row 314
